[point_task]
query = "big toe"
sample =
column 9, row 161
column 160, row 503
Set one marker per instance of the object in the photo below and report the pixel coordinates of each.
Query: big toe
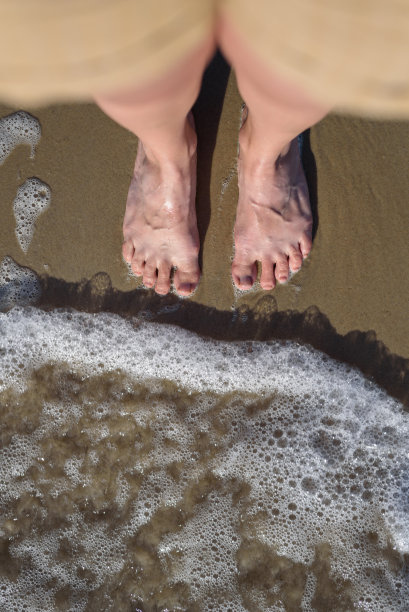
column 244, row 275
column 186, row 278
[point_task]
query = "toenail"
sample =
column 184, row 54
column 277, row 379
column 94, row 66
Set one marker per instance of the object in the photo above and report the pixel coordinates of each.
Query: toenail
column 186, row 288
column 246, row 281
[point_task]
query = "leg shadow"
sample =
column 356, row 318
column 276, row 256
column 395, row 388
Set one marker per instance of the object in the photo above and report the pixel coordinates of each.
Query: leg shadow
column 207, row 111
column 310, row 169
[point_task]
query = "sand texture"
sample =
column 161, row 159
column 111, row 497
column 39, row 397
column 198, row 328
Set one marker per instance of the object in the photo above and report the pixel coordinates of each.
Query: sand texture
column 351, row 296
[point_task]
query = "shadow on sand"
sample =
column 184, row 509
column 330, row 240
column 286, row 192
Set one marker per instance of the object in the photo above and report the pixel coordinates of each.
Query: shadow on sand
column 262, row 322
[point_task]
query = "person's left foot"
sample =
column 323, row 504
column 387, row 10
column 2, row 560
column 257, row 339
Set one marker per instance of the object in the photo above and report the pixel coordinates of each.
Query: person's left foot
column 273, row 221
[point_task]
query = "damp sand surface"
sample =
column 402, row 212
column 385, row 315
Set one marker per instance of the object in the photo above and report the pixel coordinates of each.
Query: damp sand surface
column 146, row 468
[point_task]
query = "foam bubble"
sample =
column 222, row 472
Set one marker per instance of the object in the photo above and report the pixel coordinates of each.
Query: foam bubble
column 172, row 464
column 18, row 285
column 32, row 199
column 18, row 128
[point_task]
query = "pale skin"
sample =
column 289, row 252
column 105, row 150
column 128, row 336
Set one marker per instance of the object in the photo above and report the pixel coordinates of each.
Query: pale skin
column 273, row 221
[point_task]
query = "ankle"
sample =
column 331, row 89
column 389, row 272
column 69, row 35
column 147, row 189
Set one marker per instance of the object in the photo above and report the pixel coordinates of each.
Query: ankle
column 262, row 147
column 173, row 151
column 258, row 155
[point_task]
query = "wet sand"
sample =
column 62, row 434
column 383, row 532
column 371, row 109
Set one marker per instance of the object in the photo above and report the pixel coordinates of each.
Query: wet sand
column 351, row 297
column 350, row 300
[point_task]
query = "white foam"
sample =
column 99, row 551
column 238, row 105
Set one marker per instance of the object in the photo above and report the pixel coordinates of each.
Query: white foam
column 326, row 459
column 18, row 128
column 18, row 285
column 32, row 199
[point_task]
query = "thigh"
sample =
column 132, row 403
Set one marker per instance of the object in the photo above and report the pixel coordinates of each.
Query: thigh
column 351, row 54
column 71, row 49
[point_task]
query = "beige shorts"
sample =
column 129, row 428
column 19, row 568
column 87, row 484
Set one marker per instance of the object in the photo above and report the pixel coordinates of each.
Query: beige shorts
column 353, row 54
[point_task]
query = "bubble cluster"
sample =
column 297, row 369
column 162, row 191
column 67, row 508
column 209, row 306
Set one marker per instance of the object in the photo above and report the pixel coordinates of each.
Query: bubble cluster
column 18, row 285
column 33, row 198
column 18, row 128
column 194, row 474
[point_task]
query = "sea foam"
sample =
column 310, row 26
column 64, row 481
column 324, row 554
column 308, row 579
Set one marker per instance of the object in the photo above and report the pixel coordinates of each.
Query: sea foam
column 18, row 285
column 32, row 199
column 18, row 128
column 233, row 469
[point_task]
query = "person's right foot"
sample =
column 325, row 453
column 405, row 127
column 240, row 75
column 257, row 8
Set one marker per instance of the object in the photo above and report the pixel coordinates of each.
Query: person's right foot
column 160, row 229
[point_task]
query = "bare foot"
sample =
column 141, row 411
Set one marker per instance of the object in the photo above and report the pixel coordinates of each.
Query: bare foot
column 273, row 221
column 160, row 229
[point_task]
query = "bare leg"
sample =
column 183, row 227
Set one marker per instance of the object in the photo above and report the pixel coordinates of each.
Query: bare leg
column 273, row 222
column 160, row 230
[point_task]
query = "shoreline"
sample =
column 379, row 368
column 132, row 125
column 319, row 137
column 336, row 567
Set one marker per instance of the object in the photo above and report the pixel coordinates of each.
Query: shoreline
column 262, row 322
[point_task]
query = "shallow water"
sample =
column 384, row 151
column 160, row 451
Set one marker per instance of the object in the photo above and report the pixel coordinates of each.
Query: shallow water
column 145, row 468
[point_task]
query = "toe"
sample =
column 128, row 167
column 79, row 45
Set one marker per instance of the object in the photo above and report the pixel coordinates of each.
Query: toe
column 138, row 265
column 186, row 278
column 244, row 275
column 294, row 259
column 128, row 250
column 305, row 245
column 163, row 283
column 281, row 271
column 267, row 280
column 149, row 274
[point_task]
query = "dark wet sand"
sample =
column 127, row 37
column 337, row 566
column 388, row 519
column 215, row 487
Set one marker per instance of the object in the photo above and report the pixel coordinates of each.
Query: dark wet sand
column 351, row 297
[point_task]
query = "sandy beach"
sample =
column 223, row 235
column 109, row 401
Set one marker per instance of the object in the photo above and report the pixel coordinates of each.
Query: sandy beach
column 351, row 296
column 144, row 467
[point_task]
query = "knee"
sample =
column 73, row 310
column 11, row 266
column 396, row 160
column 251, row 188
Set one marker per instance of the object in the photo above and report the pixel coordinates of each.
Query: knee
column 177, row 89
